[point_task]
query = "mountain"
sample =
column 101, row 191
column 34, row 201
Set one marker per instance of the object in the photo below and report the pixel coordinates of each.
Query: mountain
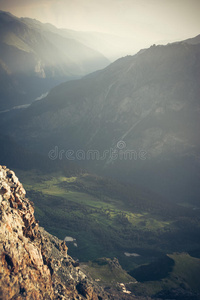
column 140, row 116
column 34, row 264
column 111, row 46
column 35, row 57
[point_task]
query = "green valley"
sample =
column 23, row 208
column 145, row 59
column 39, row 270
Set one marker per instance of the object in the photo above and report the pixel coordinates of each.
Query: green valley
column 111, row 219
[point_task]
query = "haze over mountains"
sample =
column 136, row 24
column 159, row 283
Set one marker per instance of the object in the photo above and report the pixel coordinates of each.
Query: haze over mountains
column 111, row 46
column 149, row 102
column 34, row 57
column 136, row 120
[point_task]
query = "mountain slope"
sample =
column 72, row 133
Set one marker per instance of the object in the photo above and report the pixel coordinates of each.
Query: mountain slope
column 111, row 46
column 34, row 264
column 145, row 108
column 33, row 59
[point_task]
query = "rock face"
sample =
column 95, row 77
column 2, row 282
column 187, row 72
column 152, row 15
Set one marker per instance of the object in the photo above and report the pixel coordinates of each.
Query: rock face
column 33, row 263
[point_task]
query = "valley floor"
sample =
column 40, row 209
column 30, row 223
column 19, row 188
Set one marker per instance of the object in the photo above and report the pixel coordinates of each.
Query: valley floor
column 150, row 239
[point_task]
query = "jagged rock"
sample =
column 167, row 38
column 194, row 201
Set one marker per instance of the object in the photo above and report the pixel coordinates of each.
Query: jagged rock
column 33, row 263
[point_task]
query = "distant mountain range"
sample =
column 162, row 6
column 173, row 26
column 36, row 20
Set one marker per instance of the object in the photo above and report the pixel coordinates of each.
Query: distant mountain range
column 111, row 46
column 145, row 106
column 35, row 57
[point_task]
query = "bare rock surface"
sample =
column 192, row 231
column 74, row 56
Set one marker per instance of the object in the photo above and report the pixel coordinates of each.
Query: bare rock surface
column 33, row 263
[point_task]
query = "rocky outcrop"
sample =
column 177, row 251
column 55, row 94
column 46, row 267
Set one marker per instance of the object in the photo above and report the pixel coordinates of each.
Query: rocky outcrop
column 33, row 263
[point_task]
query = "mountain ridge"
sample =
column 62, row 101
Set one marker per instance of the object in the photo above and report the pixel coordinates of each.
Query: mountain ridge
column 36, row 59
column 149, row 101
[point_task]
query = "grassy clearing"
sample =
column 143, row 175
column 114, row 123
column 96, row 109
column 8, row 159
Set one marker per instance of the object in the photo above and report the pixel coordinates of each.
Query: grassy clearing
column 107, row 271
column 110, row 205
column 187, row 270
column 84, row 206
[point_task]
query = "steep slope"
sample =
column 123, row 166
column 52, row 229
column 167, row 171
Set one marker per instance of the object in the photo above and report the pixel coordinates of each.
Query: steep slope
column 143, row 110
column 33, row 59
column 34, row 264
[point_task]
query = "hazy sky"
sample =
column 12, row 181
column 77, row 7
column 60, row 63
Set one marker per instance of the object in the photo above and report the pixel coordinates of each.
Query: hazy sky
column 149, row 20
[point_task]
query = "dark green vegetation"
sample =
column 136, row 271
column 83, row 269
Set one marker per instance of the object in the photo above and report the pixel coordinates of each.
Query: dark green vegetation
column 182, row 282
column 154, row 271
column 109, row 219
